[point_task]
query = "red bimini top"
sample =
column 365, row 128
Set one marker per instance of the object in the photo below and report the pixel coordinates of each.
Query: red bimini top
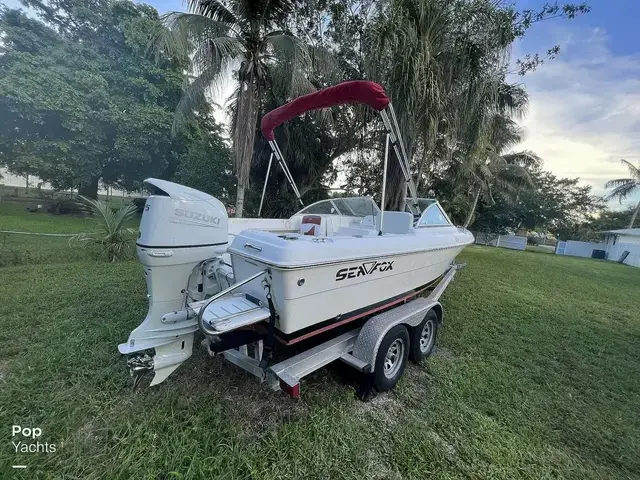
column 357, row 91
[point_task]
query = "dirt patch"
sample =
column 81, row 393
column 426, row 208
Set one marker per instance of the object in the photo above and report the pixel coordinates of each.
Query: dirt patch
column 415, row 388
column 384, row 409
column 256, row 409
column 448, row 449
column 250, row 405
column 378, row 469
column 444, row 353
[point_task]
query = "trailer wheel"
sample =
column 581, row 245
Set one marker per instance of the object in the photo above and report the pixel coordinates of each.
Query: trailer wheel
column 392, row 358
column 423, row 337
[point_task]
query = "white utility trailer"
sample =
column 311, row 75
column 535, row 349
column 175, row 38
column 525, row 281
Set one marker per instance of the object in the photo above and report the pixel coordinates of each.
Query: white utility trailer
column 380, row 348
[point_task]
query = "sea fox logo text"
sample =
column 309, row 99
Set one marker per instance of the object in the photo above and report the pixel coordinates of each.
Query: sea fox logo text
column 180, row 212
column 367, row 268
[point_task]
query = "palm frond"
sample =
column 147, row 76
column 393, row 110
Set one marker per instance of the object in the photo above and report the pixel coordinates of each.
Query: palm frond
column 525, row 158
column 212, row 9
column 291, row 56
column 223, row 53
column 263, row 12
column 513, row 99
column 511, row 178
column 623, row 188
column 181, row 33
column 619, row 182
column 111, row 236
column 325, row 65
column 633, row 170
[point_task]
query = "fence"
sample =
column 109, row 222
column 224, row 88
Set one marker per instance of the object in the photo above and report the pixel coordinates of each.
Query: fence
column 578, row 249
column 613, row 252
column 505, row 241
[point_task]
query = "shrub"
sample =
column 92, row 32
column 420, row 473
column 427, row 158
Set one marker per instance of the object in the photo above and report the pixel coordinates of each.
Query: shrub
column 112, row 237
column 63, row 206
column 533, row 240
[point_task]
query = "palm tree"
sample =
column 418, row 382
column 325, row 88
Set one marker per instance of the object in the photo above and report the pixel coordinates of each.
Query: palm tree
column 491, row 170
column 623, row 187
column 445, row 79
column 218, row 36
column 406, row 50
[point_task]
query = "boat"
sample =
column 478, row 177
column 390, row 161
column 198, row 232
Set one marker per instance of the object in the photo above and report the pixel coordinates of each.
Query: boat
column 332, row 262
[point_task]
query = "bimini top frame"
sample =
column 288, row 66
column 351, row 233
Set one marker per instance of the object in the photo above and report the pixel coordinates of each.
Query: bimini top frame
column 358, row 91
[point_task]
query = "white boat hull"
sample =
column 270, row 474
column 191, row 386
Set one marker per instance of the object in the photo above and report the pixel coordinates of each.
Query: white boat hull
column 305, row 296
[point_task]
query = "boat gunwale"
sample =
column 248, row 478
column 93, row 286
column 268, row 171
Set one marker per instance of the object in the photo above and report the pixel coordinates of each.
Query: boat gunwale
column 337, row 262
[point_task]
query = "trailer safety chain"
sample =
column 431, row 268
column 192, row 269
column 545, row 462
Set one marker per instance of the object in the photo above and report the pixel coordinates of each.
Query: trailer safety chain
column 270, row 340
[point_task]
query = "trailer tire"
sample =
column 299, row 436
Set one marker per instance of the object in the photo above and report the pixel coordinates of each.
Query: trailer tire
column 391, row 359
column 423, row 337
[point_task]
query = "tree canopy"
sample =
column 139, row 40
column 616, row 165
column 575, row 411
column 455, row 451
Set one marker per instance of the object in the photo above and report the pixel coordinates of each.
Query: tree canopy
column 556, row 205
column 114, row 93
column 84, row 102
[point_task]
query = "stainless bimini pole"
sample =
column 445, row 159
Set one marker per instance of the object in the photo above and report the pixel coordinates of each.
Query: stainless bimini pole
column 264, row 189
column 391, row 123
column 384, row 182
column 276, row 151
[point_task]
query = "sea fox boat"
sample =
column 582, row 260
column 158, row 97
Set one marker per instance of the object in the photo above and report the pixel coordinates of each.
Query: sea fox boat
column 237, row 280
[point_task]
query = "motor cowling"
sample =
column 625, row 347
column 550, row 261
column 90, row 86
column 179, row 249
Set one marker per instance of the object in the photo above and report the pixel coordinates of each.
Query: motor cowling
column 182, row 231
column 179, row 216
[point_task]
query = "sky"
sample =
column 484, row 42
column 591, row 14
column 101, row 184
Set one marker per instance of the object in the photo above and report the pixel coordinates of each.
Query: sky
column 584, row 112
column 584, row 105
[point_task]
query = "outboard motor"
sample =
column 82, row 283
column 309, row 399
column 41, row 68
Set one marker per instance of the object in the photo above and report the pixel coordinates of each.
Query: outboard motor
column 180, row 229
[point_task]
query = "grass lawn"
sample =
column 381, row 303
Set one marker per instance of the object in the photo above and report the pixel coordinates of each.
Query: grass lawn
column 13, row 216
column 17, row 249
column 540, row 249
column 537, row 375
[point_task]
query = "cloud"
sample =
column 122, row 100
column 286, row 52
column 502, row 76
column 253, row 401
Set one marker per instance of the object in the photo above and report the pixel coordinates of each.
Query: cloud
column 584, row 113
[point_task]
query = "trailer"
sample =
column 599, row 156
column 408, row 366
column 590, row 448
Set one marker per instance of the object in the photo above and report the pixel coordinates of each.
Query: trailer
column 380, row 348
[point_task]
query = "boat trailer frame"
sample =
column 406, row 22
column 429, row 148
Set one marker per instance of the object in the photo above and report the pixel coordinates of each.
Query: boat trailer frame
column 357, row 348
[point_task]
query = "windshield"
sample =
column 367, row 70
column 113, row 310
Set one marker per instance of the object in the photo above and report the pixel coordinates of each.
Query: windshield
column 348, row 206
column 423, row 203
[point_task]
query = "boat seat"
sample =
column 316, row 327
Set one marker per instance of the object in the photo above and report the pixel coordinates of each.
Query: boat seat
column 314, row 225
column 395, row 222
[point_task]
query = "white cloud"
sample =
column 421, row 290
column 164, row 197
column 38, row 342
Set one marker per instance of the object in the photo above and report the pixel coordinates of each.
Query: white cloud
column 584, row 113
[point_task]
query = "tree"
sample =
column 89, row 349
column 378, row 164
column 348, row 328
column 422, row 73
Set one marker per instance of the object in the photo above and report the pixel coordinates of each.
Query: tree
column 605, row 220
column 445, row 64
column 83, row 102
column 623, row 187
column 251, row 35
column 494, row 171
column 557, row 205
column 207, row 164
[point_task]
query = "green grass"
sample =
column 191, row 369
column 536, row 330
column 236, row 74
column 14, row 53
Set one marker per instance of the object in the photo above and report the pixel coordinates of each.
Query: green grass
column 14, row 217
column 540, row 249
column 18, row 249
column 17, row 193
column 537, row 375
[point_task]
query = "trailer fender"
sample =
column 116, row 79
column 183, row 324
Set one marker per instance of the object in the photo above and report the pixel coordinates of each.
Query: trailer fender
column 438, row 308
column 411, row 314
